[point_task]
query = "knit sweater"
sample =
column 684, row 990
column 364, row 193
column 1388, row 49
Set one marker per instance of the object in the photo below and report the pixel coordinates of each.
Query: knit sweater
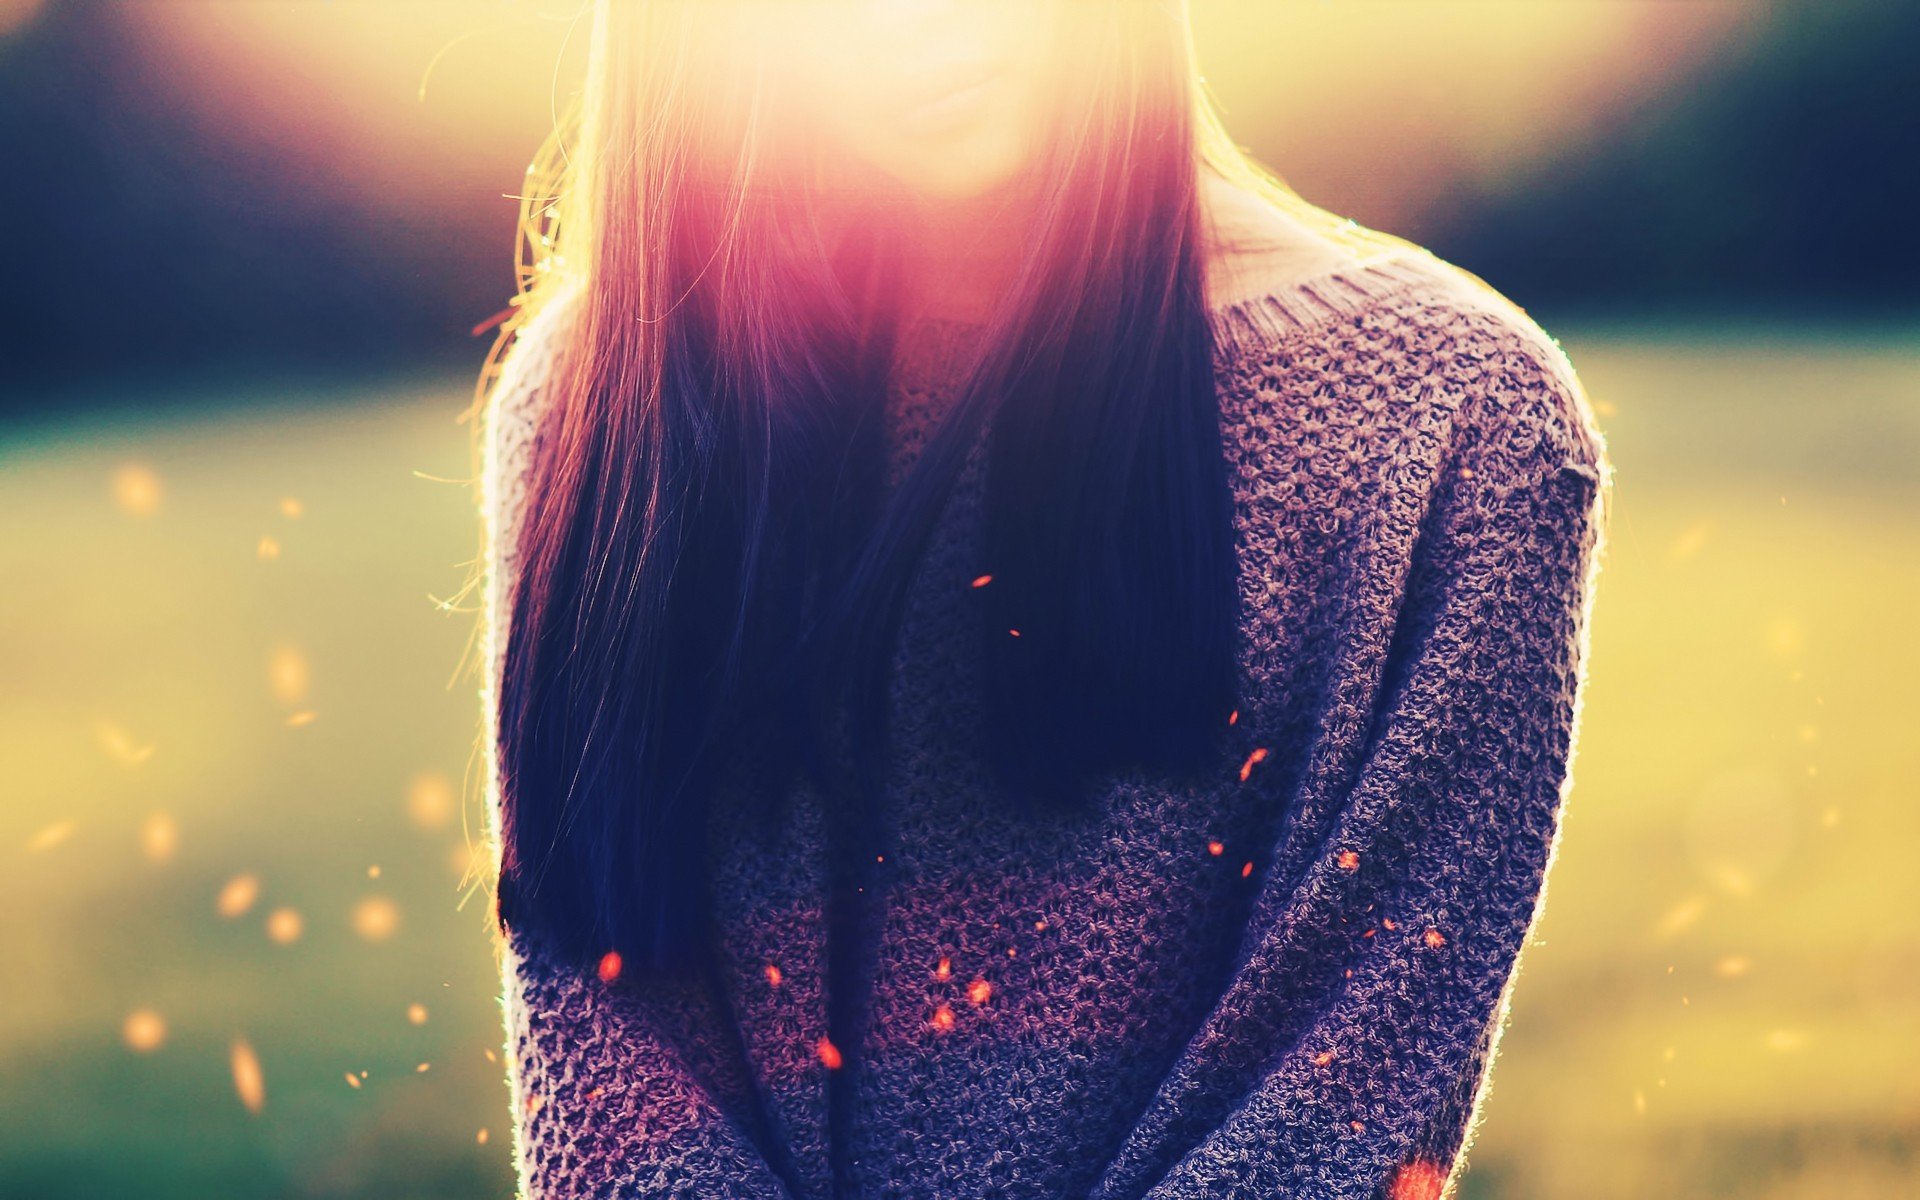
column 1285, row 977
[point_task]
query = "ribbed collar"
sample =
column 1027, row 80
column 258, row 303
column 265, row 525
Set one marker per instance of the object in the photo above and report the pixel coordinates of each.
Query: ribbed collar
column 933, row 348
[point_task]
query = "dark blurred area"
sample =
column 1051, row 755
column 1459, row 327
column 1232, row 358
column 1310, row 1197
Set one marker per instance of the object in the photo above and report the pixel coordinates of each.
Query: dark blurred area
column 182, row 201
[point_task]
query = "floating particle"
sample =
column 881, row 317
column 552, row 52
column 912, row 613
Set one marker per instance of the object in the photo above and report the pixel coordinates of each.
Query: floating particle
column 422, row 1068
column 1039, row 926
column 143, row 1030
column 159, row 837
column 375, row 918
column 120, row 745
column 1323, row 1058
column 373, row 871
column 774, row 976
column 942, row 1019
column 288, row 674
column 1014, row 632
column 248, row 1081
column 291, row 508
column 1233, row 718
column 430, row 801
column 1357, row 1126
column 1349, row 860
column 1732, row 966
column 829, row 1054
column 1216, row 848
column 238, row 895
column 609, row 969
column 1246, row 870
column 1388, row 922
column 1420, row 1179
column 353, row 1081
column 284, row 925
column 979, row 991
column 417, row 1013
column 268, row 547
column 980, row 581
column 481, row 1137
column 299, row 719
column 136, row 489
column 50, row 837
column 1259, row 755
column 1435, row 938
column 1680, row 916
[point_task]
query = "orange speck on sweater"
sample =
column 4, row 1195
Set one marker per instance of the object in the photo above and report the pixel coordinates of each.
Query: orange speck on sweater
column 774, row 975
column 1246, row 768
column 1435, row 938
column 1419, row 1179
column 829, row 1054
column 979, row 991
column 942, row 1018
column 944, row 970
column 1349, row 860
column 1323, row 1058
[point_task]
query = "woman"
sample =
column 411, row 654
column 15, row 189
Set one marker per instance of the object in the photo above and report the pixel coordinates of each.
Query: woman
column 1027, row 661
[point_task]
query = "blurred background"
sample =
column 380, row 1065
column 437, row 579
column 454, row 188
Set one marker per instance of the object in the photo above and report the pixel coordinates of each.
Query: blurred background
column 247, row 246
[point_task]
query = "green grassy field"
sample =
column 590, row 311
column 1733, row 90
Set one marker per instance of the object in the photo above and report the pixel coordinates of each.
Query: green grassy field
column 1722, row 999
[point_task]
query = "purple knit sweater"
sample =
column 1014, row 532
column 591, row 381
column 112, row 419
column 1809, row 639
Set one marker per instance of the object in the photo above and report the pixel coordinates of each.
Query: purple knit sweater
column 1286, row 980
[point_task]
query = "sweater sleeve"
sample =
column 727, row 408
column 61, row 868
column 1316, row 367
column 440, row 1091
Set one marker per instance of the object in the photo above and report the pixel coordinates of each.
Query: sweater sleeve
column 617, row 1088
column 1345, row 1055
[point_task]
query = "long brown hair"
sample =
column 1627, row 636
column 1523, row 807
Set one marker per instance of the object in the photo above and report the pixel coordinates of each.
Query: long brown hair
column 708, row 562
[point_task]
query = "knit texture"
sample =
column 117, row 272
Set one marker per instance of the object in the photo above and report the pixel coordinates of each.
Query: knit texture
column 1286, row 977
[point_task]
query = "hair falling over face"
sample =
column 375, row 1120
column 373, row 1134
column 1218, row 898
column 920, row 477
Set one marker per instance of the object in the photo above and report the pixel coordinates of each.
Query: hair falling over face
column 709, row 564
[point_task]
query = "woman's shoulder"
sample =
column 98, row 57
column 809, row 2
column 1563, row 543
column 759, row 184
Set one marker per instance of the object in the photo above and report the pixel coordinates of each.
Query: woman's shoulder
column 1402, row 336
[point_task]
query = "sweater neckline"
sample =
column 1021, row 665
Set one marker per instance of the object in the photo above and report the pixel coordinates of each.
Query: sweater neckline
column 1242, row 328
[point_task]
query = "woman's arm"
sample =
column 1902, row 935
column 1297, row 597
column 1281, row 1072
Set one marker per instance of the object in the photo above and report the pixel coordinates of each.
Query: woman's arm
column 1344, row 1056
column 617, row 1090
